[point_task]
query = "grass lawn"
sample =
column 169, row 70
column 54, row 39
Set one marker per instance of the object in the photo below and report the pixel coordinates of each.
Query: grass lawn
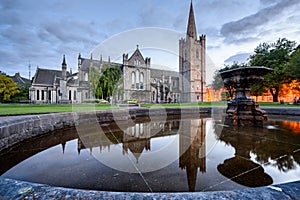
column 18, row 109
column 21, row 109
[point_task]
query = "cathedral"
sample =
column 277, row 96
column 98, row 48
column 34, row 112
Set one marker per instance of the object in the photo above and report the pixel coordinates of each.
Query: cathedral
column 139, row 81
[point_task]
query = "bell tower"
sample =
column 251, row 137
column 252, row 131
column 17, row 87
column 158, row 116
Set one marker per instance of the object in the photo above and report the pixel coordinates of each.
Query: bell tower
column 192, row 63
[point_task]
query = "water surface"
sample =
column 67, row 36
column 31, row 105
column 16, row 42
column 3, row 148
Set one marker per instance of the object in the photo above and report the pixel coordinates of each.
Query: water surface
column 160, row 156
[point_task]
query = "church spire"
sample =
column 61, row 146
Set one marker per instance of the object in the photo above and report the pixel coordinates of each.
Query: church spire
column 64, row 63
column 191, row 28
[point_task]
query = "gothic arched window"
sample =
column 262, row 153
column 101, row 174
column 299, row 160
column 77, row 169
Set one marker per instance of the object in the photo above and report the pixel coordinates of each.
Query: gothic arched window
column 141, row 80
column 133, row 80
column 137, row 79
column 197, row 53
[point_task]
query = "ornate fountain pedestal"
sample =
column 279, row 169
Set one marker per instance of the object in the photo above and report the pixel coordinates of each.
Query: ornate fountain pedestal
column 242, row 110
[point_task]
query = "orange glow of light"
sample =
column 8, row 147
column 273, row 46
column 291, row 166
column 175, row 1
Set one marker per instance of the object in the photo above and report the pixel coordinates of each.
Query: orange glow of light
column 294, row 126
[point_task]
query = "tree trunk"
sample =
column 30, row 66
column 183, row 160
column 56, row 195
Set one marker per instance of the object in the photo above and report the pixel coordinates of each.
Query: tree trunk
column 275, row 93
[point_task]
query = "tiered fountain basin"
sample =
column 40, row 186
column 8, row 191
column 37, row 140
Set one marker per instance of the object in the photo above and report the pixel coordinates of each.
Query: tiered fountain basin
column 242, row 110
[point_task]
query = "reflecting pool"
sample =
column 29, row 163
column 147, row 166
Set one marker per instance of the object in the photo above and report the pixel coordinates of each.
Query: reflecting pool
column 175, row 155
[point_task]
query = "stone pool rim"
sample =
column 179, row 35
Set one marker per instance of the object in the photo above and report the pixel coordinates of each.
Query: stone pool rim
column 14, row 129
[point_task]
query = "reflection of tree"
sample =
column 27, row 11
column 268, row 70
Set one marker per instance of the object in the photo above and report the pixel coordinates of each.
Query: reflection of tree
column 240, row 168
column 271, row 147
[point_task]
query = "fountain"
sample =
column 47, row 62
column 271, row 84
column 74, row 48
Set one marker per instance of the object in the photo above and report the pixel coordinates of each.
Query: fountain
column 242, row 110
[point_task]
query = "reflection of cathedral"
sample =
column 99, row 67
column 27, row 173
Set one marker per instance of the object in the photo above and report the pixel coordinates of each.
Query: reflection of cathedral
column 137, row 140
column 193, row 149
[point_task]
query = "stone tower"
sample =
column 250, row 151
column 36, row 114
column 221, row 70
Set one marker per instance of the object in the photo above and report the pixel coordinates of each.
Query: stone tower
column 192, row 63
column 63, row 81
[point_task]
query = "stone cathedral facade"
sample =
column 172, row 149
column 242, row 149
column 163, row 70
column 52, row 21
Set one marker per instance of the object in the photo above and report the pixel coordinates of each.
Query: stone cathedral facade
column 139, row 81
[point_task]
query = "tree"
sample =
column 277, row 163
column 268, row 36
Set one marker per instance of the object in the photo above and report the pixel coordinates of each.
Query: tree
column 276, row 56
column 23, row 94
column 105, row 83
column 294, row 64
column 109, row 80
column 257, row 90
column 218, row 82
column 8, row 88
column 94, row 77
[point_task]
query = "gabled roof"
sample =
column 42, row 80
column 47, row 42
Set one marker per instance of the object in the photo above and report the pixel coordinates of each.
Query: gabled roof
column 17, row 78
column 137, row 54
column 46, row 76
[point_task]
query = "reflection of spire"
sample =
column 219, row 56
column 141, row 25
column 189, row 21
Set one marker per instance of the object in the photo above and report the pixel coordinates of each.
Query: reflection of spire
column 63, row 146
column 193, row 150
column 136, row 147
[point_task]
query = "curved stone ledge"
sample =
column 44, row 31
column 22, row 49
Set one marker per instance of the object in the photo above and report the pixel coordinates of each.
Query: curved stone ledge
column 13, row 189
column 15, row 129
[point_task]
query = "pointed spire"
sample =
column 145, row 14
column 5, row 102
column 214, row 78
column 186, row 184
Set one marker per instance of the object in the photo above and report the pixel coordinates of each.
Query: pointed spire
column 63, row 147
column 191, row 28
column 64, row 63
column 91, row 56
column 79, row 56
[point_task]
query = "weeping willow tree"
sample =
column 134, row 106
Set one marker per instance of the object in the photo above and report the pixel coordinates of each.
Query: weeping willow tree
column 94, row 77
column 104, row 84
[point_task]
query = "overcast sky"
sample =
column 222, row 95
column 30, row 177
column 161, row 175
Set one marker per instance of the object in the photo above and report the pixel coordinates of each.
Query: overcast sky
column 40, row 32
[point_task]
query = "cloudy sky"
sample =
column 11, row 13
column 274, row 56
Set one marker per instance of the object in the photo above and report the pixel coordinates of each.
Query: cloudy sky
column 40, row 32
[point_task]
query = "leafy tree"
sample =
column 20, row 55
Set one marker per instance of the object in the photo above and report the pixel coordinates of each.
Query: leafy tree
column 8, row 88
column 294, row 64
column 109, row 80
column 94, row 77
column 3, row 73
column 257, row 90
column 276, row 56
column 105, row 83
column 218, row 82
column 23, row 94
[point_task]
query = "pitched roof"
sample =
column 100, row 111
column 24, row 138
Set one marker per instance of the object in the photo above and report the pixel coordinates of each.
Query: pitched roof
column 86, row 63
column 137, row 54
column 46, row 76
column 157, row 73
column 17, row 78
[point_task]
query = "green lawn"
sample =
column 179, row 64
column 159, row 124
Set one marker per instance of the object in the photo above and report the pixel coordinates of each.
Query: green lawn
column 21, row 109
column 18, row 109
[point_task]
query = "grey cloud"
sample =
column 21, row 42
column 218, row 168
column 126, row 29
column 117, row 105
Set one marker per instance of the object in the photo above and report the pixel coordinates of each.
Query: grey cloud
column 237, row 30
column 67, row 31
column 9, row 4
column 157, row 16
column 268, row 2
